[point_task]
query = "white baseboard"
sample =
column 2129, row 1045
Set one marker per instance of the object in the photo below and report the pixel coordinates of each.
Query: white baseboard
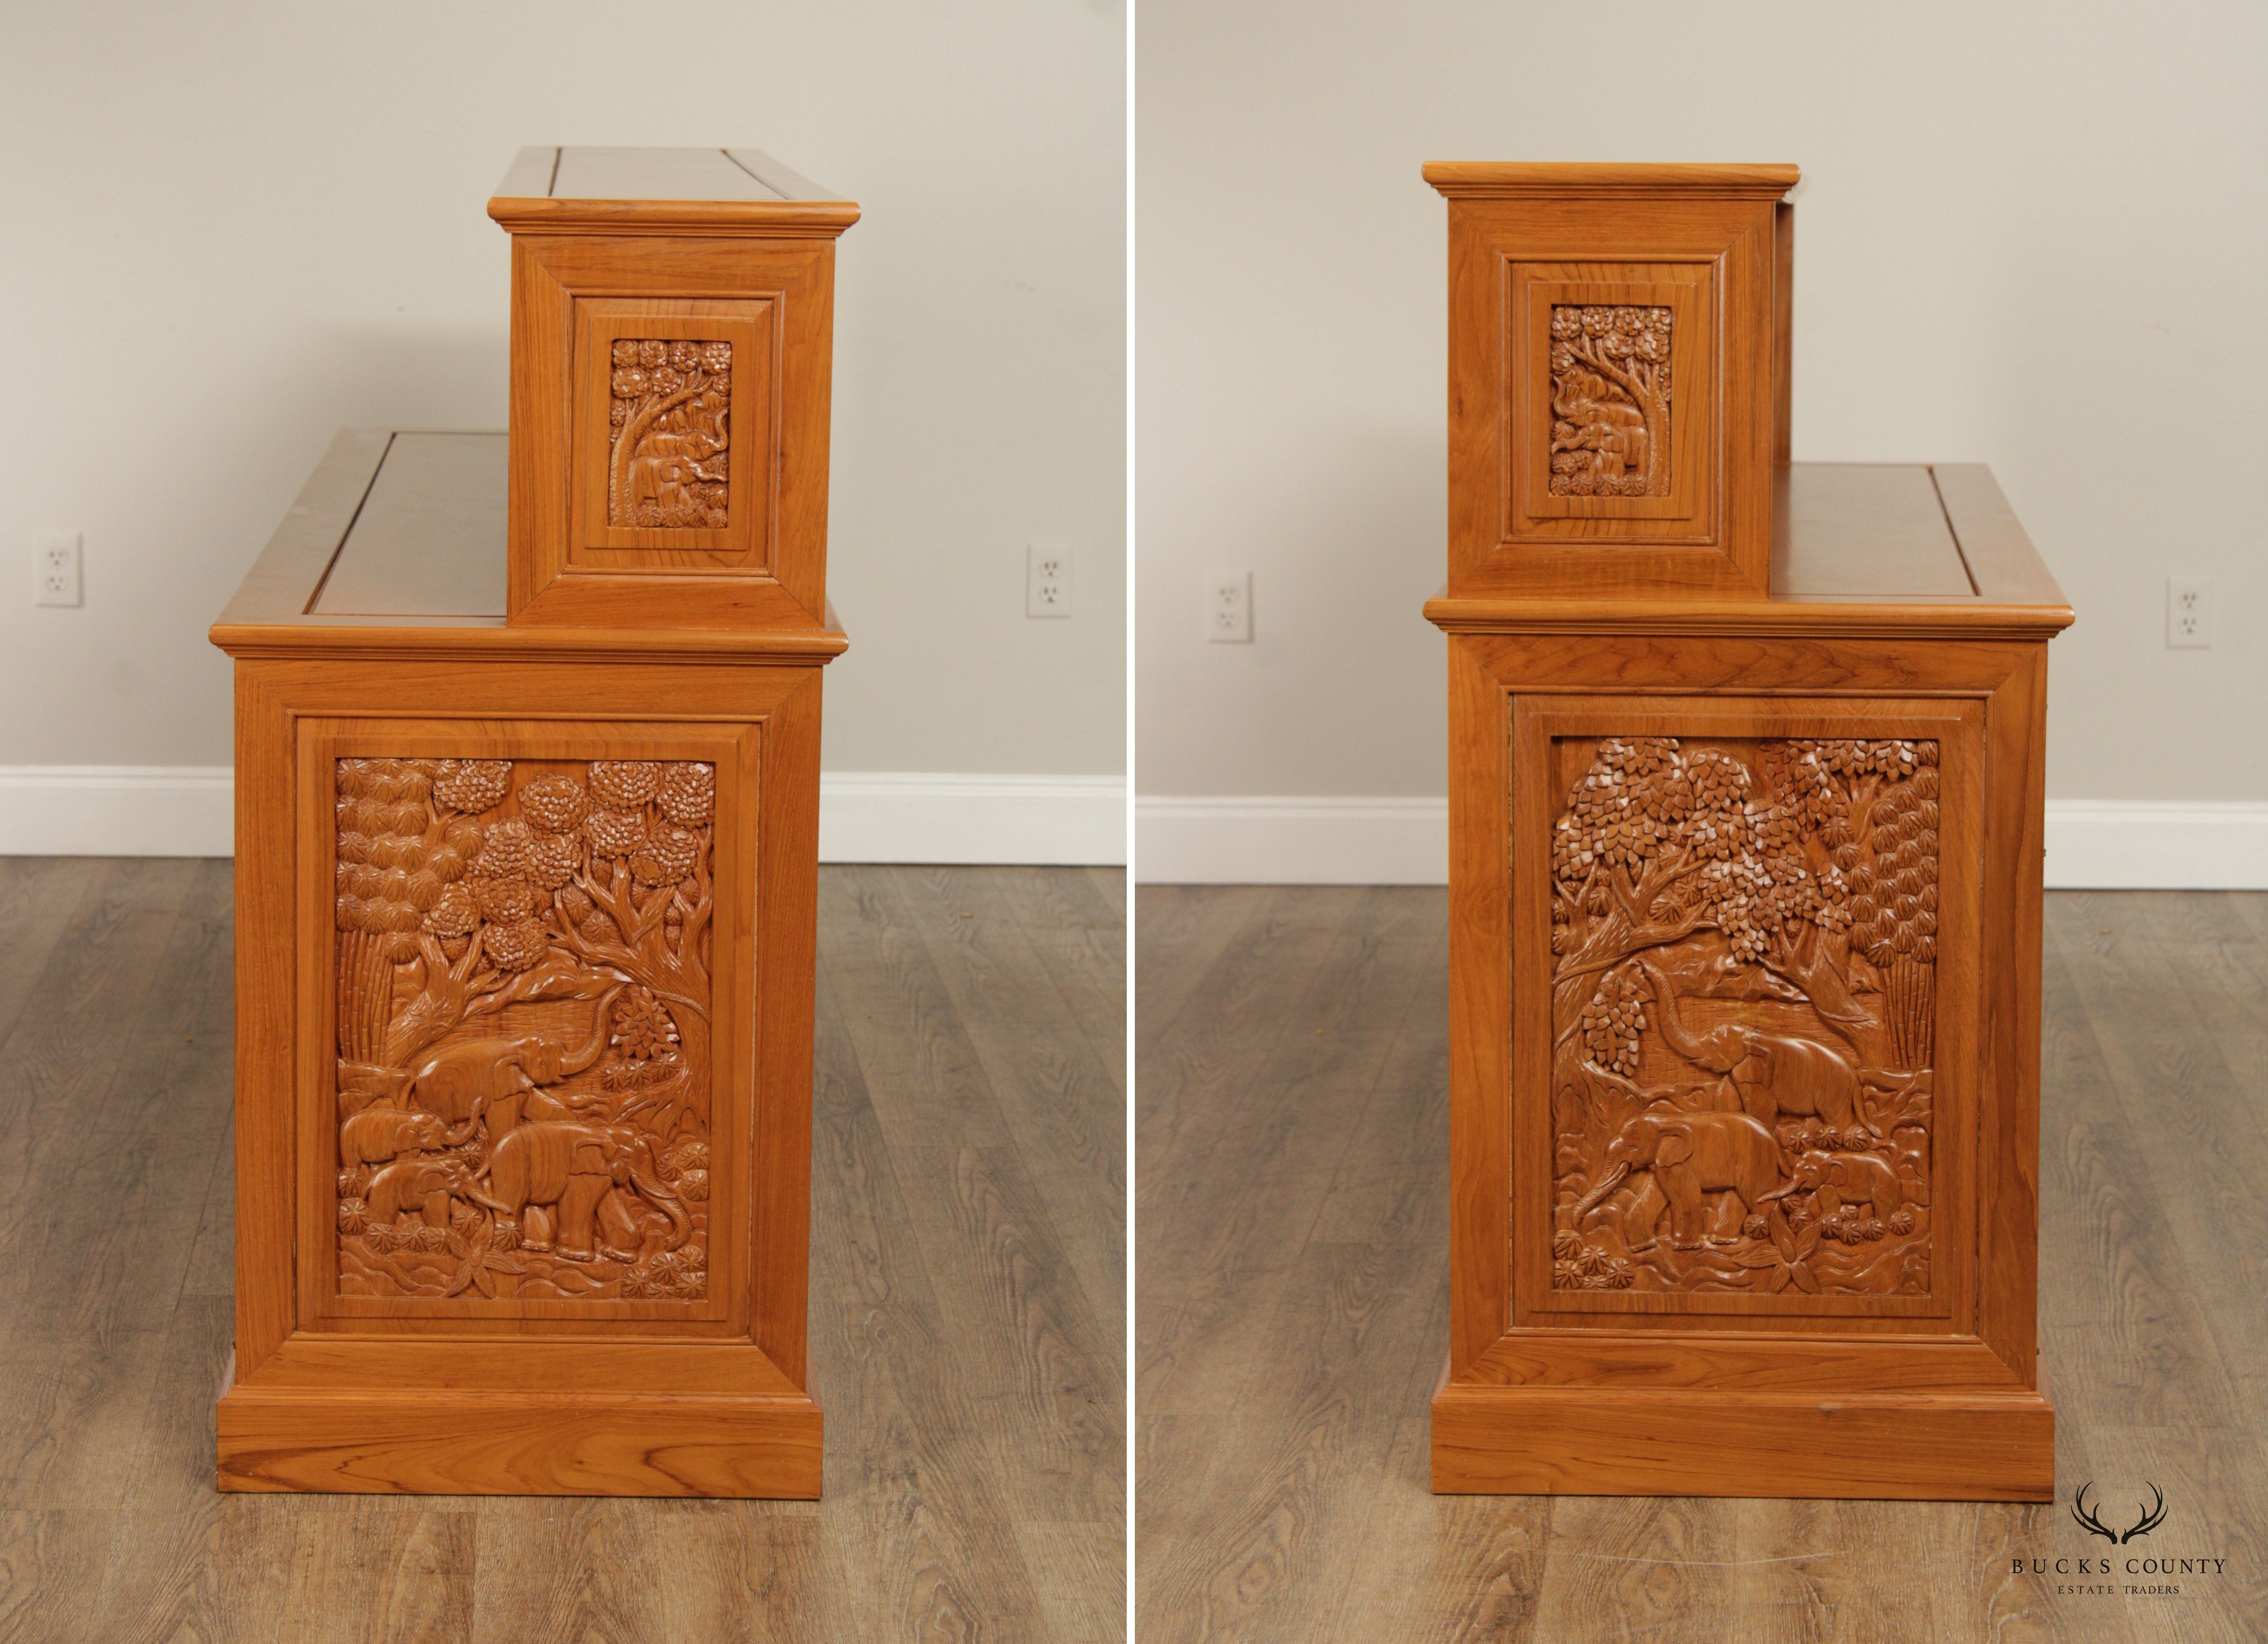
column 2092, row 844
column 117, row 810
column 947, row 817
column 1271, row 840
column 910, row 817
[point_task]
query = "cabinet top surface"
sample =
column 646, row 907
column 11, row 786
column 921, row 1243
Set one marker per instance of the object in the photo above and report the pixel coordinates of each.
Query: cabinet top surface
column 1884, row 547
column 1497, row 179
column 397, row 544
column 681, row 190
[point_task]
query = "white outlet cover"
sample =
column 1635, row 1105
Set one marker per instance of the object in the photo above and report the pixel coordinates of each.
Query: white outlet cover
column 1047, row 582
column 1228, row 606
column 57, row 570
column 2189, row 614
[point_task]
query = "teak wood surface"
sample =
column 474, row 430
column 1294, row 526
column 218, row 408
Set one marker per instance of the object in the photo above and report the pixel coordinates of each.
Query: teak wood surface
column 616, row 1398
column 1712, row 246
column 1293, row 1121
column 710, row 245
column 1607, row 1391
column 968, row 1199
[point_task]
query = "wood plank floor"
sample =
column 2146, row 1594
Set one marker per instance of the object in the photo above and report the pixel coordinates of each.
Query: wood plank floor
column 967, row 1320
column 1293, row 1314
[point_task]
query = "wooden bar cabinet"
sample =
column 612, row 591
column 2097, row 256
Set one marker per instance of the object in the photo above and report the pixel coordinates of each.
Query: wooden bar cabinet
column 526, row 903
column 1745, row 887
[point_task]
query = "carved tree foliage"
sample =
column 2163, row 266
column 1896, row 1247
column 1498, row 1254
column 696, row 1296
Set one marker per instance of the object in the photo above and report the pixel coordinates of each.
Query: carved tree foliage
column 667, row 436
column 1610, row 400
column 1744, row 947
column 524, row 1027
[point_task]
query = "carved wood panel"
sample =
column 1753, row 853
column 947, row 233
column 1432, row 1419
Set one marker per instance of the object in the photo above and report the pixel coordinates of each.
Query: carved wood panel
column 1610, row 399
column 1744, row 950
column 524, row 1074
column 669, row 439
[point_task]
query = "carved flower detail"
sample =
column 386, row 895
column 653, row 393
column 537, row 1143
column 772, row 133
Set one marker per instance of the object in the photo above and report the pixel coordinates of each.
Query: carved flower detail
column 515, row 946
column 687, row 792
column 667, row 854
column 615, row 832
column 554, row 859
column 717, row 356
column 472, row 785
column 504, row 852
column 456, row 913
column 505, row 901
column 354, row 1216
column 643, row 1029
column 555, row 804
column 624, row 784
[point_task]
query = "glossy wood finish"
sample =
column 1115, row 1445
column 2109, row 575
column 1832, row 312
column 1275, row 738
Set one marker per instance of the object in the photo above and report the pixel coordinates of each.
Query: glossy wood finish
column 1955, row 1371
column 713, row 1403
column 968, row 1199
column 701, row 247
column 1547, row 263
column 1292, row 1111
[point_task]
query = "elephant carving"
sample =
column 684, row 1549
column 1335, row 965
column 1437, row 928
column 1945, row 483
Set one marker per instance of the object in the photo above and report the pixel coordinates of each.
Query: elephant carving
column 1853, row 1178
column 548, row 1168
column 420, row 1184
column 462, row 1081
column 1690, row 1155
column 377, row 1134
column 1772, row 1074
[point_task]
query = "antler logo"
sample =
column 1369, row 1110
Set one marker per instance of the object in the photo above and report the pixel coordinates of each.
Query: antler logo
column 2152, row 1517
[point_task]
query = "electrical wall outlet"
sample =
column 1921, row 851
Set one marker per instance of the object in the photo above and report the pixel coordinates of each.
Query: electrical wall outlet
column 2188, row 623
column 1047, row 583
column 1229, row 607
column 56, row 569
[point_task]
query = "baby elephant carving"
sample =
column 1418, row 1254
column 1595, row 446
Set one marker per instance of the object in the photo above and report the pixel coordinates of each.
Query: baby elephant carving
column 1854, row 1178
column 377, row 1134
column 552, row 1167
column 419, row 1184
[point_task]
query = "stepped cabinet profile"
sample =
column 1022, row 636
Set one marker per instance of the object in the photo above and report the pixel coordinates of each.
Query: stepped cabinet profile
column 527, row 795
column 1746, row 798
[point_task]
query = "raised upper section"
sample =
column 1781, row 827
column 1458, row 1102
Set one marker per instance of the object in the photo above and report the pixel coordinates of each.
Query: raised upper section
column 1618, row 371
column 673, row 338
column 664, row 191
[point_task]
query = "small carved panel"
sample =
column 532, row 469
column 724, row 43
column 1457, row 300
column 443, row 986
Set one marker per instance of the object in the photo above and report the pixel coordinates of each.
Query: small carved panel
column 1611, row 395
column 1744, row 956
column 670, row 401
column 524, row 1031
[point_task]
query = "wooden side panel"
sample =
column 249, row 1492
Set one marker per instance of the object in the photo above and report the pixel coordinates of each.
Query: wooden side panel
column 394, row 1092
column 691, row 492
column 1924, row 1389
column 1612, row 410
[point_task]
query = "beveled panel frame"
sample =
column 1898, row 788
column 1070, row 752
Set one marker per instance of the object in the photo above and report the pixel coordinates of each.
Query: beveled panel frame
column 752, row 455
column 288, row 713
column 1687, row 514
column 1500, row 248
column 2003, row 682
column 550, row 580
column 736, row 753
column 1534, row 723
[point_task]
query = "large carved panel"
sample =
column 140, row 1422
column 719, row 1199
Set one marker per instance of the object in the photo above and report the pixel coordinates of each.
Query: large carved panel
column 524, row 1028
column 1744, row 946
